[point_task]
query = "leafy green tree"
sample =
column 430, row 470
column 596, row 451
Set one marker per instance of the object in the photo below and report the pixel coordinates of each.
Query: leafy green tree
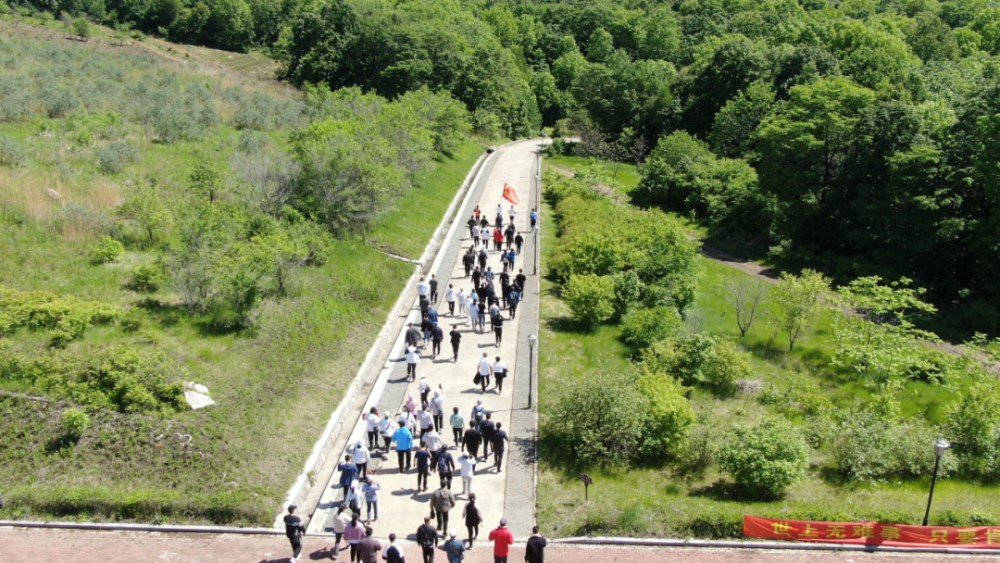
column 668, row 415
column 600, row 46
column 872, row 56
column 803, row 150
column 765, row 458
column 718, row 77
column 144, row 207
column 797, row 302
column 733, row 132
column 875, row 335
column 348, row 174
column 660, row 36
column 208, row 178
column 932, row 39
column 75, row 422
column 590, row 298
column 987, row 25
column 81, row 28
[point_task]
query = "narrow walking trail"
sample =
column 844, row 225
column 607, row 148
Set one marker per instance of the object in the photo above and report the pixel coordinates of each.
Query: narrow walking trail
column 509, row 493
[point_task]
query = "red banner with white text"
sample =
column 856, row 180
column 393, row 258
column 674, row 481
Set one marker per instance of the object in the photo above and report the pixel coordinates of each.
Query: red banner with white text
column 872, row 533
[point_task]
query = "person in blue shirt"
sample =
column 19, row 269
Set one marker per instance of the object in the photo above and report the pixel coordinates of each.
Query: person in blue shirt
column 404, row 443
column 433, row 316
column 348, row 473
column 534, row 218
column 513, row 298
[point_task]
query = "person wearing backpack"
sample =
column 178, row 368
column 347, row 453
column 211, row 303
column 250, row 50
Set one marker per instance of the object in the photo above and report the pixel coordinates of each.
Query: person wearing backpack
column 294, row 530
column 497, row 322
column 445, row 467
column 427, row 537
column 513, row 298
column 454, row 549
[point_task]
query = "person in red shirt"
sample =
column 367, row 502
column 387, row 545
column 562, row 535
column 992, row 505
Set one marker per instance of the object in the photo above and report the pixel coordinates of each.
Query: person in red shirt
column 502, row 540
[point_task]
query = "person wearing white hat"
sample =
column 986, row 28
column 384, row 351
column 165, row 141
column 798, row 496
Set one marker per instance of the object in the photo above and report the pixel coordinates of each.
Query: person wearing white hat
column 454, row 548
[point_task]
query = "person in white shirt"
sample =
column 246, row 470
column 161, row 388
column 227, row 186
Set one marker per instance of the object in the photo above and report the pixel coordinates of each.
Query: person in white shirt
column 437, row 408
column 434, row 444
column 371, row 421
column 423, row 288
column 426, row 422
column 392, row 553
column 511, row 212
column 500, row 372
column 449, row 296
column 412, row 357
column 339, row 524
column 424, row 387
column 461, row 297
column 407, row 420
column 473, row 314
column 386, row 428
column 468, row 464
column 485, row 371
column 360, row 455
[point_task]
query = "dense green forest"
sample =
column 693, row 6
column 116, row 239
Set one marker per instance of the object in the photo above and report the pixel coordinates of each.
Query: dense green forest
column 855, row 137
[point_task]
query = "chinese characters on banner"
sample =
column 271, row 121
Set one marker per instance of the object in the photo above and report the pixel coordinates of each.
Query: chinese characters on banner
column 871, row 533
column 509, row 194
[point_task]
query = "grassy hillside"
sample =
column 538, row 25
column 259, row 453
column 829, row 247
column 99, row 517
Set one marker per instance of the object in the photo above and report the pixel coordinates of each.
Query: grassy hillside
column 85, row 132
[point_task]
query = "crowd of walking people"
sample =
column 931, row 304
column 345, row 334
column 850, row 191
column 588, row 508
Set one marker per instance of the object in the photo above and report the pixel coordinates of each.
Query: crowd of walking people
column 418, row 433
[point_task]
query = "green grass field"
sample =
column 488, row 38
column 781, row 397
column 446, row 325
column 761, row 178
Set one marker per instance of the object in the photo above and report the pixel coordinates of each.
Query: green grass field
column 668, row 502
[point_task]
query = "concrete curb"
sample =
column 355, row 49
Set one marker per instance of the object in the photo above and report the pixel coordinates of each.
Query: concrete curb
column 120, row 526
column 313, row 466
column 768, row 545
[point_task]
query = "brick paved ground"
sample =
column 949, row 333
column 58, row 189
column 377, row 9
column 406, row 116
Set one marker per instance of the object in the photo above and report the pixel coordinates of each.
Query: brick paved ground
column 60, row 546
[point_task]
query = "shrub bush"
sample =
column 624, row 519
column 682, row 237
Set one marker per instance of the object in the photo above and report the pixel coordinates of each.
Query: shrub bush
column 619, row 418
column 867, row 447
column 75, row 422
column 628, row 289
column 590, row 298
column 146, row 278
column 727, row 364
column 133, row 319
column 114, row 156
column 11, row 152
column 642, row 327
column 765, row 458
column 973, row 427
column 107, row 250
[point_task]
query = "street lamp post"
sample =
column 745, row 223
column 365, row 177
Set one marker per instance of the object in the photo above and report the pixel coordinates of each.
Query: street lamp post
column 939, row 448
column 531, row 365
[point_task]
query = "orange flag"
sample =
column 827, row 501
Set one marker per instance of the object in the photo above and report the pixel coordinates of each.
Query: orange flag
column 509, row 194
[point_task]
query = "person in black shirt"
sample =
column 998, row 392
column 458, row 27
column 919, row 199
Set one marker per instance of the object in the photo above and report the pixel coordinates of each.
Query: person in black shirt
column 534, row 552
column 509, row 235
column 434, row 289
column 472, row 226
column 468, row 260
column 427, row 537
column 499, row 446
column 487, row 427
column 518, row 242
column 423, row 467
column 477, row 277
column 497, row 321
column 456, row 339
column 437, row 335
column 472, row 439
column 520, row 278
column 294, row 530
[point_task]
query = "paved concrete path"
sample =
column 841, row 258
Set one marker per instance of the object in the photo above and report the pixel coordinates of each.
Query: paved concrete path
column 509, row 493
column 18, row 545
